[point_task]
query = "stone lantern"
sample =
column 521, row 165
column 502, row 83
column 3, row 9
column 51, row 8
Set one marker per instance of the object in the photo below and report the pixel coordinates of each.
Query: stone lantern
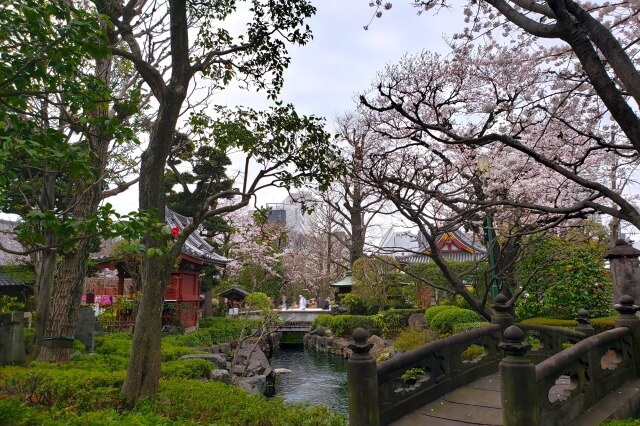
column 625, row 271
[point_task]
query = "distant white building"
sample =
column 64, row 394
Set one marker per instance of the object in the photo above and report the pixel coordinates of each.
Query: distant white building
column 407, row 248
column 290, row 212
column 394, row 243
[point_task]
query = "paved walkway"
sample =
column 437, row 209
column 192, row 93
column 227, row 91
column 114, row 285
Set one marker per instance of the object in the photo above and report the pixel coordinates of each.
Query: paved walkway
column 478, row 403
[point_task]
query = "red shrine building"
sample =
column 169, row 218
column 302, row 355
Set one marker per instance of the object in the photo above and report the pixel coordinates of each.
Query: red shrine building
column 182, row 297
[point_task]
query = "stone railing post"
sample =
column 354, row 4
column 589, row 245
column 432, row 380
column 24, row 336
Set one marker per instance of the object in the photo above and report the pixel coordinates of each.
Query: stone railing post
column 502, row 315
column 584, row 324
column 627, row 318
column 12, row 338
column 362, row 382
column 625, row 270
column 518, row 385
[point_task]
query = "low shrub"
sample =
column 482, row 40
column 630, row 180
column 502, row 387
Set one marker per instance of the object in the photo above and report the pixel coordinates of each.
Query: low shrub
column 622, row 422
column 29, row 338
column 553, row 322
column 187, row 369
column 114, row 344
column 604, row 323
column 599, row 324
column 81, row 389
column 412, row 338
column 343, row 325
column 220, row 329
column 358, row 305
column 391, row 322
column 466, row 326
column 435, row 310
column 472, row 353
column 445, row 321
column 217, row 403
column 193, row 338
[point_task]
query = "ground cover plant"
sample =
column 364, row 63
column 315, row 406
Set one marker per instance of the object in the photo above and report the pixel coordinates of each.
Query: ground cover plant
column 87, row 390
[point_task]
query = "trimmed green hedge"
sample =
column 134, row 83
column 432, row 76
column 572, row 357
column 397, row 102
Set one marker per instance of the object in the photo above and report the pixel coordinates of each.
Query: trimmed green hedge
column 392, row 321
column 79, row 397
column 604, row 323
column 215, row 330
column 435, row 310
column 466, row 326
column 446, row 320
column 343, row 325
column 599, row 324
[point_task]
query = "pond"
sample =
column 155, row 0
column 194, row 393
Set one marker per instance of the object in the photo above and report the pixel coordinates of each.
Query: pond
column 316, row 378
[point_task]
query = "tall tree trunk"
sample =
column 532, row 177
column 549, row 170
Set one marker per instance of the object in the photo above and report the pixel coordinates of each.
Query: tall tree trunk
column 45, row 270
column 143, row 373
column 73, row 268
column 207, row 306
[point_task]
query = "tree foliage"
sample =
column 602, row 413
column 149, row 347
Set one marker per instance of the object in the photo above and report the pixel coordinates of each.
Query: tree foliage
column 560, row 277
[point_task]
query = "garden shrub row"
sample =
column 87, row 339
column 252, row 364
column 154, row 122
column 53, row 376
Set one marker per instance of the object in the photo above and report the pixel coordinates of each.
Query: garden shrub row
column 444, row 320
column 392, row 321
column 89, row 397
column 343, row 325
column 599, row 324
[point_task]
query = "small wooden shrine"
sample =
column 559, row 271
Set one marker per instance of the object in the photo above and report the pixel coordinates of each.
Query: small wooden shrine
column 182, row 297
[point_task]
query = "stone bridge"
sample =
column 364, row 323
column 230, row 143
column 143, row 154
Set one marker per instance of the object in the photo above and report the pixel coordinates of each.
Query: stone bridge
column 571, row 377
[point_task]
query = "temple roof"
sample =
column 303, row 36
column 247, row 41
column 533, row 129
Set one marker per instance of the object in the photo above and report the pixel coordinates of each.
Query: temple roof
column 236, row 293
column 345, row 281
column 195, row 245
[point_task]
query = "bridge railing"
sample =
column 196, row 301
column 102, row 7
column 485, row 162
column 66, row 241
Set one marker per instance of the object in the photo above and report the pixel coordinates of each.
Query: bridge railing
column 557, row 390
column 548, row 340
column 437, row 368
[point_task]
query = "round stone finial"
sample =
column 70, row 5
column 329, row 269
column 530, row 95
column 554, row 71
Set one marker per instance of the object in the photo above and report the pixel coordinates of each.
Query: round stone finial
column 583, row 317
column 626, row 306
column 360, row 335
column 514, row 344
column 501, row 303
column 360, row 345
column 514, row 334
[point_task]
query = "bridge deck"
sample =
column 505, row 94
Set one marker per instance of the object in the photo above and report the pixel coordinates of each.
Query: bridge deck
column 478, row 403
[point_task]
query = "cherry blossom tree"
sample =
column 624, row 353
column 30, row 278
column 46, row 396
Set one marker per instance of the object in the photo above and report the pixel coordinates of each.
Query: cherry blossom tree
column 439, row 116
column 585, row 93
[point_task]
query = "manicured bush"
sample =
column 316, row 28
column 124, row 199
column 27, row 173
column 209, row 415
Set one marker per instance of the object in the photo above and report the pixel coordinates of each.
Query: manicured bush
column 358, row 305
column 604, row 323
column 114, row 344
column 435, row 310
column 554, row 322
column 444, row 321
column 472, row 353
column 187, row 369
column 466, row 326
column 221, row 329
column 217, row 403
column 599, row 324
column 47, row 385
column 343, row 325
column 412, row 338
column 193, row 338
column 392, row 321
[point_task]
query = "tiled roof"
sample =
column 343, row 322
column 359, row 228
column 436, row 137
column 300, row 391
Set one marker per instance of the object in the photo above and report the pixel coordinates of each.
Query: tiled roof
column 7, row 280
column 7, row 239
column 195, row 245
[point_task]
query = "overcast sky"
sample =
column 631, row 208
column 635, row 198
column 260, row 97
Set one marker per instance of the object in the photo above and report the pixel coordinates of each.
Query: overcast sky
column 341, row 61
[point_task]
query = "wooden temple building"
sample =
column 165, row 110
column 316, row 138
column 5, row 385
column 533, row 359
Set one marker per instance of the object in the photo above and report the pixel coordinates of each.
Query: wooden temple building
column 182, row 297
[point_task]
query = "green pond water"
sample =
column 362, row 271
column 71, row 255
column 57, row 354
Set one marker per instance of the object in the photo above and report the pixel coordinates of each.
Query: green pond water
column 316, row 378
